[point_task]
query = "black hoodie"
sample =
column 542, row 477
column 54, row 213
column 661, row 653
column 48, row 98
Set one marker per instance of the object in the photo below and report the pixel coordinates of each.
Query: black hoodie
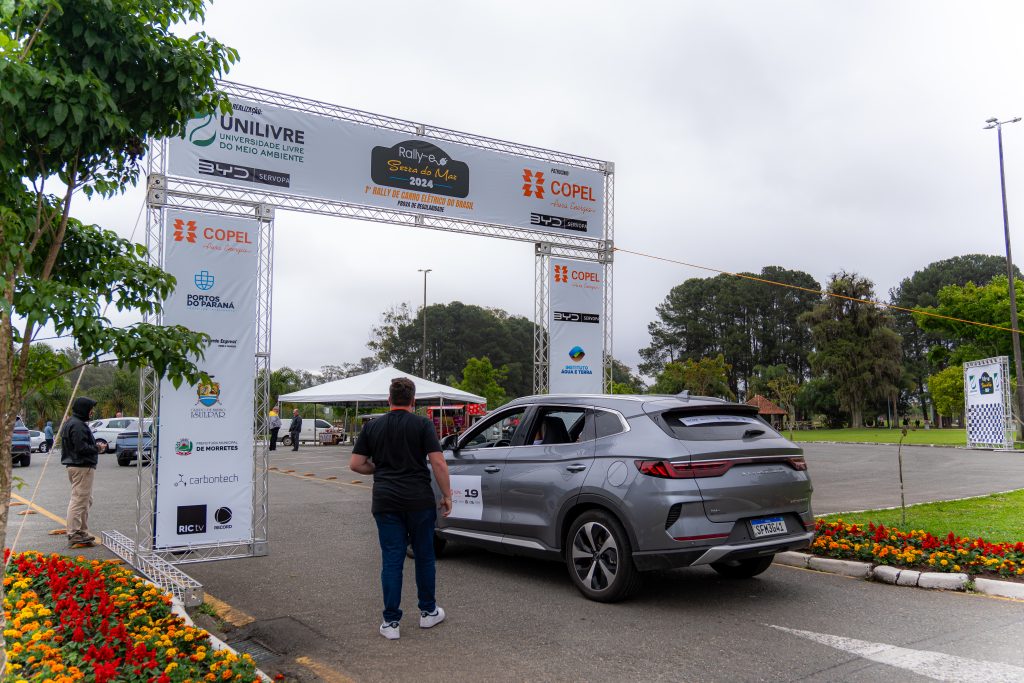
column 77, row 445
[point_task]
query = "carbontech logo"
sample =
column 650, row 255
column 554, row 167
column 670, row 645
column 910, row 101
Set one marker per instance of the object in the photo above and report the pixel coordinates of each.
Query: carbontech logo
column 577, row 353
column 533, row 183
column 204, row 281
column 200, row 131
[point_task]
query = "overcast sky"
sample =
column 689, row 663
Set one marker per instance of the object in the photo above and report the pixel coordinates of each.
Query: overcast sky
column 812, row 135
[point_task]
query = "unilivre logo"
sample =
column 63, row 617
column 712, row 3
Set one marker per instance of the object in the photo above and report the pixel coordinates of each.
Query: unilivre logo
column 533, row 183
column 561, row 273
column 196, row 131
column 185, row 231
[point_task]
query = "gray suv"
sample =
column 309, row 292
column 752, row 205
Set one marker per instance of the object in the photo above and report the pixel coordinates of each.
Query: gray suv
column 616, row 485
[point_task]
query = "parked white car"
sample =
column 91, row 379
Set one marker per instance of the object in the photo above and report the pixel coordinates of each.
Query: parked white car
column 38, row 441
column 106, row 431
column 312, row 427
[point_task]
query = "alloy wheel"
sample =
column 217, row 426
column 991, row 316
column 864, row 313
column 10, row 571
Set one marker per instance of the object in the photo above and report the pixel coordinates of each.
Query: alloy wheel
column 595, row 556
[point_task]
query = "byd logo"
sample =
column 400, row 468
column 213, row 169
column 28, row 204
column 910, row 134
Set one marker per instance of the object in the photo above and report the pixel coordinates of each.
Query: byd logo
column 186, row 232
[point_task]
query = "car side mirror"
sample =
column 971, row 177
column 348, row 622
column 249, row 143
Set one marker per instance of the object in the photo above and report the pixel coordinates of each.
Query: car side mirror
column 450, row 442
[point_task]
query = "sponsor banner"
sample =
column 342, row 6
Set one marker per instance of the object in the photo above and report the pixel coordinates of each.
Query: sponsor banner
column 205, row 454
column 271, row 149
column 987, row 402
column 576, row 327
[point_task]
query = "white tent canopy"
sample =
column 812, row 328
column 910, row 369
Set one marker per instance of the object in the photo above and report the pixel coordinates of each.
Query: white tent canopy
column 373, row 386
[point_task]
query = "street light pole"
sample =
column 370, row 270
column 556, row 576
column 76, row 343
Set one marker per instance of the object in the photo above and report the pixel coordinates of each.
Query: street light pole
column 425, row 271
column 1011, row 281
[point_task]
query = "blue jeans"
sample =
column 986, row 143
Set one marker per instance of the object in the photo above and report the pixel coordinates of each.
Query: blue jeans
column 395, row 530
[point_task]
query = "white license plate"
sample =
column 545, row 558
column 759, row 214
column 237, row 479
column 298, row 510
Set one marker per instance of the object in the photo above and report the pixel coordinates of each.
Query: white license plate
column 772, row 526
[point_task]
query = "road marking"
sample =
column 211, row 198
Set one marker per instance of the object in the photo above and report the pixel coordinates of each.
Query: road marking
column 321, row 481
column 323, row 671
column 935, row 665
column 41, row 510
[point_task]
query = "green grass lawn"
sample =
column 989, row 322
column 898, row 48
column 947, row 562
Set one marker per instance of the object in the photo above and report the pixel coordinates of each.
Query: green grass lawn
column 995, row 518
column 944, row 437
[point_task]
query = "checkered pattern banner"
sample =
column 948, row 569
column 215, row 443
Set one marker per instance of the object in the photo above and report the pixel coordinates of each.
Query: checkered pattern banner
column 986, row 424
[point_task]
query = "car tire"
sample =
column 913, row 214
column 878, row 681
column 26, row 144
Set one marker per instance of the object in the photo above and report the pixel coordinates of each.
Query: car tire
column 26, row 460
column 743, row 569
column 44, row 448
column 107, row 448
column 123, row 462
column 286, row 441
column 599, row 557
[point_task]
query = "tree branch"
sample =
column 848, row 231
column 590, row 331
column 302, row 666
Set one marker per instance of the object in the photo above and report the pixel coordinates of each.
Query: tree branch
column 35, row 32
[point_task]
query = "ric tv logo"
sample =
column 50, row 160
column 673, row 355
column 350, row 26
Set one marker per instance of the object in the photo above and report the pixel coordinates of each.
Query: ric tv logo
column 188, row 231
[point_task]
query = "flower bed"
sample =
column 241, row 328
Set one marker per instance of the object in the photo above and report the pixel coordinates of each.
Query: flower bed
column 70, row 619
column 918, row 549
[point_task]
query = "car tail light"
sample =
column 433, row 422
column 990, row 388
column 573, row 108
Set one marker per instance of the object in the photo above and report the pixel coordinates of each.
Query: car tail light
column 667, row 469
column 797, row 463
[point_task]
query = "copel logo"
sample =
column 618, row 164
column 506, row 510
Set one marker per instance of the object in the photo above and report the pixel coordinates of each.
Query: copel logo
column 533, row 183
column 191, row 519
column 184, row 231
column 564, row 275
column 533, row 186
column 187, row 232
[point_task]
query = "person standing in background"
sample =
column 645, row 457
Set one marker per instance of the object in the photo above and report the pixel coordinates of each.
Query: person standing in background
column 275, row 427
column 48, row 435
column 295, row 428
column 79, row 454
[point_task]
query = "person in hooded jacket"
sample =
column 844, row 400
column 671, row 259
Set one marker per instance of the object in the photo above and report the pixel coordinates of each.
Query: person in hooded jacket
column 79, row 454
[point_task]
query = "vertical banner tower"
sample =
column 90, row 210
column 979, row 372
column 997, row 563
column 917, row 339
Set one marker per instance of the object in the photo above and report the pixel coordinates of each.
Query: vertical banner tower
column 988, row 403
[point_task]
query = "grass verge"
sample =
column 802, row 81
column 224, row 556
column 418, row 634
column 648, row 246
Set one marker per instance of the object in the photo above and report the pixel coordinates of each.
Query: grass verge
column 937, row 437
column 996, row 518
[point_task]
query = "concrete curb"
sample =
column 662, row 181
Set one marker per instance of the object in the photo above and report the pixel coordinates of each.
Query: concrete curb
column 178, row 607
column 902, row 577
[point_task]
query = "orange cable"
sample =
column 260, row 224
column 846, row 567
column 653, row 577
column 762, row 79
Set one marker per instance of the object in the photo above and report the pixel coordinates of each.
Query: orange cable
column 817, row 291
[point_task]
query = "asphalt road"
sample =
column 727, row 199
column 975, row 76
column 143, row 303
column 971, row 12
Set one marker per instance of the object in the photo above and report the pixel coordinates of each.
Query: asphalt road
column 315, row 598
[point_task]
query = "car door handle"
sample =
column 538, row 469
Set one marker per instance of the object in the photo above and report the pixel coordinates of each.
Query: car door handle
column 576, row 468
column 492, row 469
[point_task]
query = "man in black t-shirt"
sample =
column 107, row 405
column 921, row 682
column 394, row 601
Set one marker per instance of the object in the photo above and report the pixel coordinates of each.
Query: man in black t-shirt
column 395, row 449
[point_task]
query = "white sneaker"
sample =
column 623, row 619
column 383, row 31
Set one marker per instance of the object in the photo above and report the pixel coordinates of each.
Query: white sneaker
column 390, row 630
column 430, row 619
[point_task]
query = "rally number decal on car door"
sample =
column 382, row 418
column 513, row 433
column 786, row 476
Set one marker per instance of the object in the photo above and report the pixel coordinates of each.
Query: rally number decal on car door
column 467, row 497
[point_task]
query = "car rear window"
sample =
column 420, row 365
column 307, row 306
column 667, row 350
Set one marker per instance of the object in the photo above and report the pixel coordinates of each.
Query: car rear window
column 716, row 426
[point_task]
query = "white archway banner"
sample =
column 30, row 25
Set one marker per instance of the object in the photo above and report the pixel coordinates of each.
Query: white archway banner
column 204, row 491
column 272, row 149
column 576, row 327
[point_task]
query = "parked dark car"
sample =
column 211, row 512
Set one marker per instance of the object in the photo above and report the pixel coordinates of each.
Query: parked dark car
column 128, row 445
column 21, row 445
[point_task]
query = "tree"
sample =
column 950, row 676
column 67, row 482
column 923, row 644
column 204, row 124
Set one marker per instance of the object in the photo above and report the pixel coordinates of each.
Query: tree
column 854, row 345
column 817, row 398
column 456, row 332
column 331, row 373
column 285, row 380
column 777, row 384
column 47, row 388
column 921, row 290
column 121, row 394
column 947, row 390
column 624, row 381
column 704, row 377
column 85, row 84
column 988, row 304
column 750, row 323
column 480, row 377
